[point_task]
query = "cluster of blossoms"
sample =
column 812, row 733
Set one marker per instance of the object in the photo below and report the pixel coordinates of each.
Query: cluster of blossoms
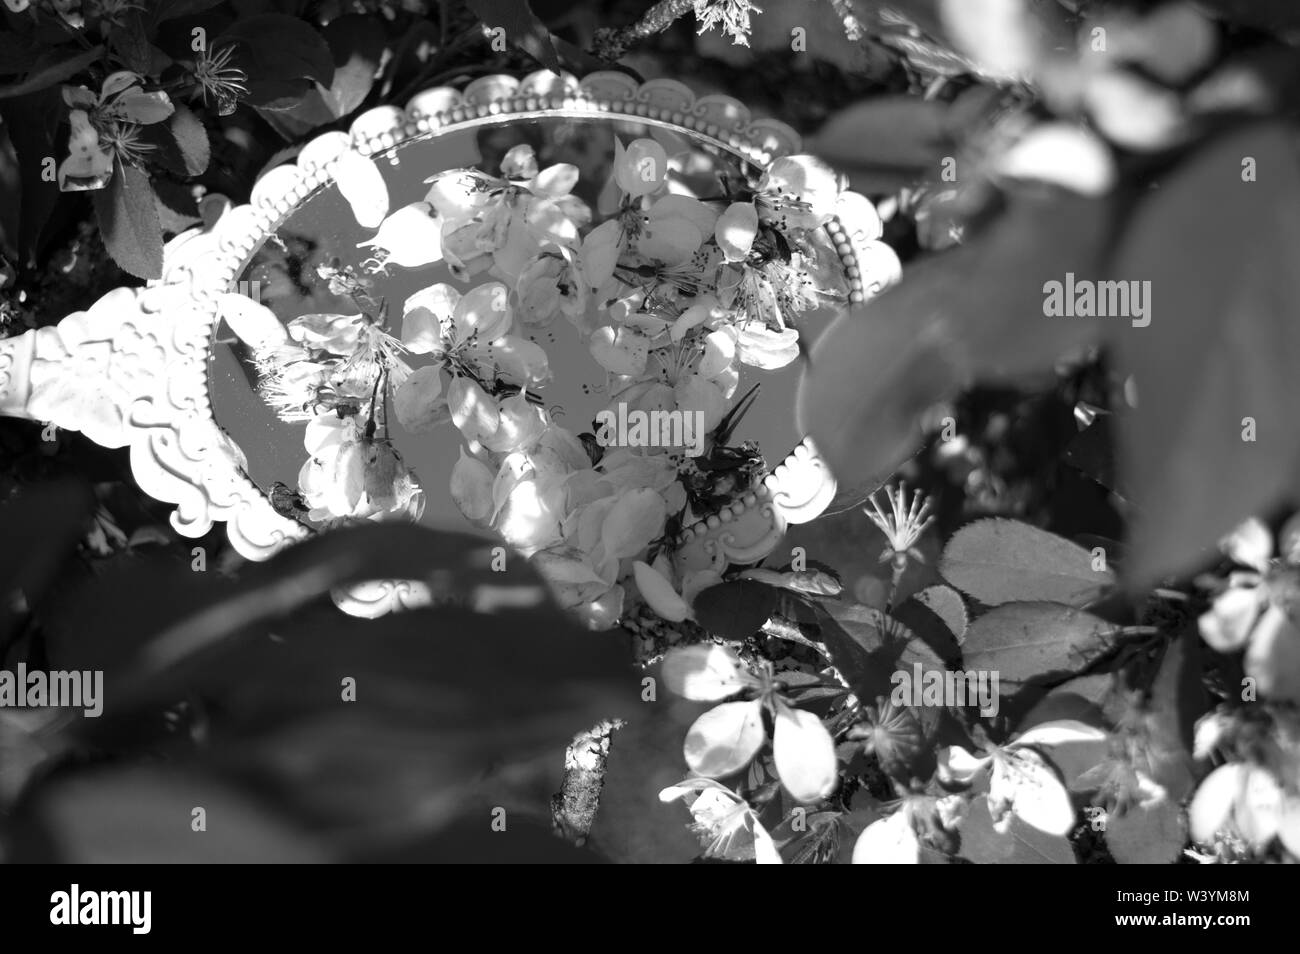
column 106, row 126
column 671, row 293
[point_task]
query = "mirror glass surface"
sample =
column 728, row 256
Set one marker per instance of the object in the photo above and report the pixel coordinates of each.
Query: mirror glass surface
column 284, row 274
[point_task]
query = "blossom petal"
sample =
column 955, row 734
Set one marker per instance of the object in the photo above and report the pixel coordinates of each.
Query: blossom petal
column 555, row 181
column 804, row 754
column 636, row 518
column 472, row 410
column 705, row 672
column 471, row 487
column 1249, row 544
column 1227, row 624
column 255, row 324
column 696, row 395
column 1273, row 658
column 515, row 360
column 362, row 184
column 418, row 402
column 888, row 841
column 1258, row 811
column 620, row 352
column 725, row 739
column 1212, row 806
column 671, row 241
column 760, row 347
column 600, row 251
column 736, row 230
column 412, row 236
column 641, row 167
column 519, row 424
column 137, row 106
column 483, row 313
column 1035, row 792
column 659, row 593
column 337, row 334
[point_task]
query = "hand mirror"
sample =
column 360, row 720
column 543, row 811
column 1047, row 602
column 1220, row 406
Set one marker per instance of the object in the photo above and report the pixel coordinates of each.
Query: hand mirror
column 567, row 313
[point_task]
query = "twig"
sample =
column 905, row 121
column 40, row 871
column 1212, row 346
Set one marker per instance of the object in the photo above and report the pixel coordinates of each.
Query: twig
column 782, row 628
column 854, row 28
column 611, row 44
column 573, row 808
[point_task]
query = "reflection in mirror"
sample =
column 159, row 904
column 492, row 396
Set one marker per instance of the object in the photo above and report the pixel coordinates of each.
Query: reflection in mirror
column 581, row 334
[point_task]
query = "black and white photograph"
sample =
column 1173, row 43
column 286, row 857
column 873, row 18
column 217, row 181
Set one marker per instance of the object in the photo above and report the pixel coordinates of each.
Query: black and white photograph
column 498, row 432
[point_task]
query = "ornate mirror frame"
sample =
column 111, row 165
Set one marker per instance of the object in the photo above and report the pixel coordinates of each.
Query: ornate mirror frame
column 132, row 371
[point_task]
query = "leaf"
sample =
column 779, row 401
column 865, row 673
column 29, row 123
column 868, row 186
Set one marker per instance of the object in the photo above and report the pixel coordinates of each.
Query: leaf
column 32, row 122
column 186, row 622
column 357, row 44
column 181, row 144
column 1152, row 834
column 40, row 526
column 867, row 647
column 891, row 140
column 735, row 609
column 1027, row 642
column 112, row 816
column 279, row 54
column 1003, row 561
column 17, row 54
column 725, row 739
column 127, row 213
column 521, row 26
column 191, row 140
column 1275, row 15
column 973, row 313
column 946, row 603
column 1215, row 352
column 170, row 9
column 1021, row 845
column 44, row 77
column 1178, row 699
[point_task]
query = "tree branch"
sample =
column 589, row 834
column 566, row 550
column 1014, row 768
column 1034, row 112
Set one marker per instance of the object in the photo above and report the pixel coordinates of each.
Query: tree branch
column 573, row 808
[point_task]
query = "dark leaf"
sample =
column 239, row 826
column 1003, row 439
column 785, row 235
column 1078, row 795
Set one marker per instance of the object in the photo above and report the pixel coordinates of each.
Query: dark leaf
column 1264, row 14
column 40, row 527
column 45, row 76
column 180, row 144
column 280, row 55
column 1216, row 351
column 17, row 54
column 521, row 26
column 735, row 609
column 884, row 141
column 975, row 313
column 32, row 121
column 1178, row 699
column 867, row 647
column 127, row 213
column 171, row 9
column 357, row 44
